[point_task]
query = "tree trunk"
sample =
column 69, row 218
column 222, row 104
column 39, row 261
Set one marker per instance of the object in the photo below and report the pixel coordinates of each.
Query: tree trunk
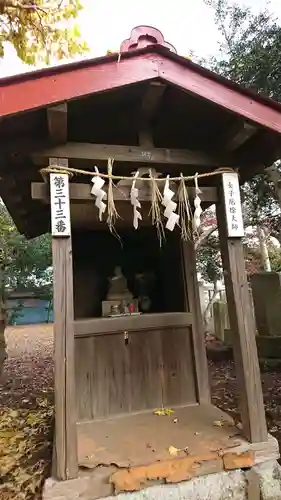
column 275, row 177
column 265, row 261
column 210, row 304
column 3, row 322
column 49, row 308
column 204, row 236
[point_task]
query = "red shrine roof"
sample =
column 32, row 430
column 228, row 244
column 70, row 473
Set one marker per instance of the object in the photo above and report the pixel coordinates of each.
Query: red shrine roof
column 144, row 56
column 187, row 106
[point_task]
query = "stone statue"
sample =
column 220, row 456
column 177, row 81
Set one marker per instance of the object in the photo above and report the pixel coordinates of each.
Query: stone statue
column 118, row 288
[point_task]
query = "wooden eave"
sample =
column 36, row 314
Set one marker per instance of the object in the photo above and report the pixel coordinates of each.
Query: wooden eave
column 71, row 81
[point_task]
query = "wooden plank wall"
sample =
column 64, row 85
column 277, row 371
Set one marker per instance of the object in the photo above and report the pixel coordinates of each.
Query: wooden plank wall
column 115, row 376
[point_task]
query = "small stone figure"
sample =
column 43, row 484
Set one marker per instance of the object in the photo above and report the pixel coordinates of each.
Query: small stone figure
column 118, row 288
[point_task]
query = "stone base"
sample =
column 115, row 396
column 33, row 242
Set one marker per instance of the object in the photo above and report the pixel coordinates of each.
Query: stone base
column 269, row 347
column 261, row 482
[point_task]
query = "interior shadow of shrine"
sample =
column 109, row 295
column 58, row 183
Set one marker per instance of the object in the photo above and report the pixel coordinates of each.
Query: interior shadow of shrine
column 128, row 331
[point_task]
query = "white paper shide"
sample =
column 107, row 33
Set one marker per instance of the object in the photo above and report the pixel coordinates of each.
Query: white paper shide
column 197, row 205
column 233, row 208
column 99, row 193
column 135, row 202
column 60, row 208
column 170, row 207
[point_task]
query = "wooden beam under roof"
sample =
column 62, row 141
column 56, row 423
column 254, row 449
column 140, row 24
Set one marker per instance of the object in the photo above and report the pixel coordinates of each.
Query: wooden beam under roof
column 81, row 192
column 238, row 135
column 149, row 107
column 135, row 154
column 152, row 99
column 57, row 123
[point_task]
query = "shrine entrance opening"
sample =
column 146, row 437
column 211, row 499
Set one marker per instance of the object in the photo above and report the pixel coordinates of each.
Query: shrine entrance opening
column 153, row 274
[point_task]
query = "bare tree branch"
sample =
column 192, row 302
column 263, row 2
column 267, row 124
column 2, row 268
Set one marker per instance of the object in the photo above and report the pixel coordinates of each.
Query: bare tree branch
column 13, row 4
column 204, row 236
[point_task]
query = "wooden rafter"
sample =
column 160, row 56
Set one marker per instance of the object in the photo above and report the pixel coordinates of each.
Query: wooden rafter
column 135, row 154
column 238, row 136
column 57, row 123
column 82, row 192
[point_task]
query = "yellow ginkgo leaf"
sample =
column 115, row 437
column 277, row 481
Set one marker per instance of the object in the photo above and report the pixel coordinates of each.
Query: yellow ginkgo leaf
column 220, row 423
column 173, row 451
column 164, row 411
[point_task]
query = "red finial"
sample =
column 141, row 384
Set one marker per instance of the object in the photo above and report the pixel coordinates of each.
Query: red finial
column 142, row 36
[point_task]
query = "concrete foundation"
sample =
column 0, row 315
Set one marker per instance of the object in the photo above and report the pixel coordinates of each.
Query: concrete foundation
column 261, row 482
column 269, row 348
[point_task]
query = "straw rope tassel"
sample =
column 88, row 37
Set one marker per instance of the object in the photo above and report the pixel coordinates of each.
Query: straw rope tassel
column 156, row 198
column 112, row 213
column 135, row 202
column 100, row 194
column 197, row 204
column 184, row 210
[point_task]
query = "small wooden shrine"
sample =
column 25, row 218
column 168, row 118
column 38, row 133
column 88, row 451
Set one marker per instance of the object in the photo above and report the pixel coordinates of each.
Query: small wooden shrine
column 118, row 156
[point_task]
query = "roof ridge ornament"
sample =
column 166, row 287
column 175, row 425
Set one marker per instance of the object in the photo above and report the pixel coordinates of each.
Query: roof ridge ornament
column 143, row 36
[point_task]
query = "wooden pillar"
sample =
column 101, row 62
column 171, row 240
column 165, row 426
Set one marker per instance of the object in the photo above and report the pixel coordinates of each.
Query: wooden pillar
column 240, row 310
column 66, row 465
column 192, row 301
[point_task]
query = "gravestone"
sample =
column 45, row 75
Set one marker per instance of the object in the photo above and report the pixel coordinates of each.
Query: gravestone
column 221, row 322
column 266, row 290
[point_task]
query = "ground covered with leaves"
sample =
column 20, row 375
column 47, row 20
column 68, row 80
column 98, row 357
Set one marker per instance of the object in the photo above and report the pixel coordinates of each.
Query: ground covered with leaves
column 224, row 394
column 26, row 413
column 26, row 409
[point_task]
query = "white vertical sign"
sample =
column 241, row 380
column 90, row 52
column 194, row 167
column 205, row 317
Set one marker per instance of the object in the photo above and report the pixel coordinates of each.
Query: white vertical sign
column 233, row 208
column 60, row 207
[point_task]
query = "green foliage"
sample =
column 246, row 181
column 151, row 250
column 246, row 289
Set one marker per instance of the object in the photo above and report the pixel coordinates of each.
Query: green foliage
column 250, row 55
column 251, row 47
column 209, row 260
column 275, row 259
column 24, row 264
column 41, row 30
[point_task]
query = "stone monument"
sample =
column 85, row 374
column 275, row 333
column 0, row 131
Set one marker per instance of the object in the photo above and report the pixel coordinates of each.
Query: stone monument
column 118, row 297
column 118, row 288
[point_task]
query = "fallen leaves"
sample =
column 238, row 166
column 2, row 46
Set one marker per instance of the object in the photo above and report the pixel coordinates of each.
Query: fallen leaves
column 24, row 435
column 221, row 423
column 164, row 412
column 225, row 396
column 26, row 414
column 174, row 452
